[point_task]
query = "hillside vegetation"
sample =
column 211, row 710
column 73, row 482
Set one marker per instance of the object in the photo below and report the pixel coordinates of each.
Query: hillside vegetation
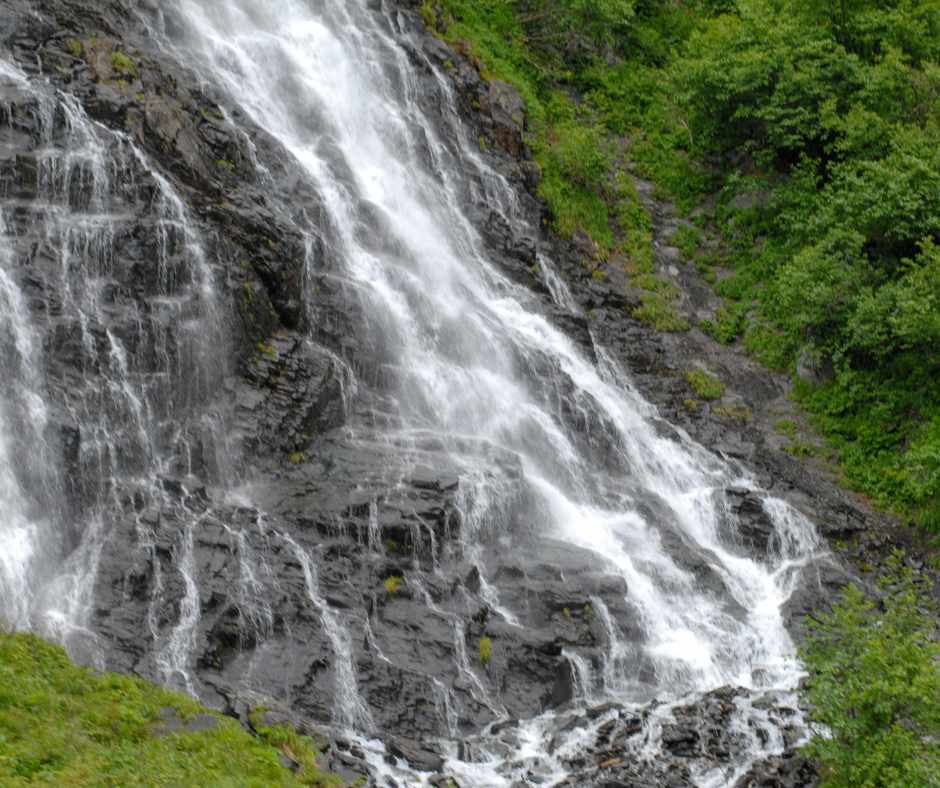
column 804, row 137
column 875, row 685
column 65, row 725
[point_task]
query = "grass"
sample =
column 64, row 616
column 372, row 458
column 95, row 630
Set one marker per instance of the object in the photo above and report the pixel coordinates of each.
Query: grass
column 658, row 311
column 61, row 724
column 687, row 240
column 704, row 384
column 787, row 428
column 740, row 413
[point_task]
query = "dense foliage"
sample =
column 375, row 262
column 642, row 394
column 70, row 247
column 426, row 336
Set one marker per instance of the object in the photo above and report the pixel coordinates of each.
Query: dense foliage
column 875, row 685
column 809, row 133
column 65, row 725
column 830, row 117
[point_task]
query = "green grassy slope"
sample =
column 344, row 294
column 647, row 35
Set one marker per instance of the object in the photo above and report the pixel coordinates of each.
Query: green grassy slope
column 65, row 725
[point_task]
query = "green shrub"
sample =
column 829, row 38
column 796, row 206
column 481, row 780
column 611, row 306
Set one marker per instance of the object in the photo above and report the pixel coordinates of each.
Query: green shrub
column 392, row 584
column 874, row 683
column 704, row 384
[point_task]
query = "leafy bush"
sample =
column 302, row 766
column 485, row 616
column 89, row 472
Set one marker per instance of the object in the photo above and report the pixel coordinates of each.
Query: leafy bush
column 874, row 683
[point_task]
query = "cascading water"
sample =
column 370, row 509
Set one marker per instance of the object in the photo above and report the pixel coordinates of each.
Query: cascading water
column 464, row 370
column 130, row 406
column 469, row 357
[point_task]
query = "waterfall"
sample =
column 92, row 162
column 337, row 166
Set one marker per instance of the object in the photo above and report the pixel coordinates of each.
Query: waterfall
column 130, row 405
column 468, row 355
column 349, row 710
column 115, row 427
column 332, row 84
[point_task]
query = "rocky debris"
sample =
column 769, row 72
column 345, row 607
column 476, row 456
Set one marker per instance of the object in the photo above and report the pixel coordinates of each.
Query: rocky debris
column 713, row 734
column 781, row 771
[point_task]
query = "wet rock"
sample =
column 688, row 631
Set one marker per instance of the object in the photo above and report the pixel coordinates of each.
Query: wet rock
column 415, row 754
column 506, row 111
column 821, row 587
column 787, row 771
column 754, row 528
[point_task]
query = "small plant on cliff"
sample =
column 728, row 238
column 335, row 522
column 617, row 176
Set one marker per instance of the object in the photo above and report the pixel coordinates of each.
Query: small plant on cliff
column 392, row 584
column 74, row 47
column 299, row 749
column 687, row 240
column 874, row 683
column 486, row 650
column 706, row 385
column 428, row 14
column 657, row 311
column 123, row 65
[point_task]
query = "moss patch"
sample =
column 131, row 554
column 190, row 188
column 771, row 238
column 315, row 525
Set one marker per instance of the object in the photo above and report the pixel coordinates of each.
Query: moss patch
column 74, row 47
column 486, row 650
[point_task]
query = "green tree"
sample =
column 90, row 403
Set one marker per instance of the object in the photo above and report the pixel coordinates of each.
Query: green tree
column 874, row 684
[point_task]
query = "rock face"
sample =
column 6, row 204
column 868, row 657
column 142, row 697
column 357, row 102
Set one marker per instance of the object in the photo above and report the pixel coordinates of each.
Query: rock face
column 349, row 568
